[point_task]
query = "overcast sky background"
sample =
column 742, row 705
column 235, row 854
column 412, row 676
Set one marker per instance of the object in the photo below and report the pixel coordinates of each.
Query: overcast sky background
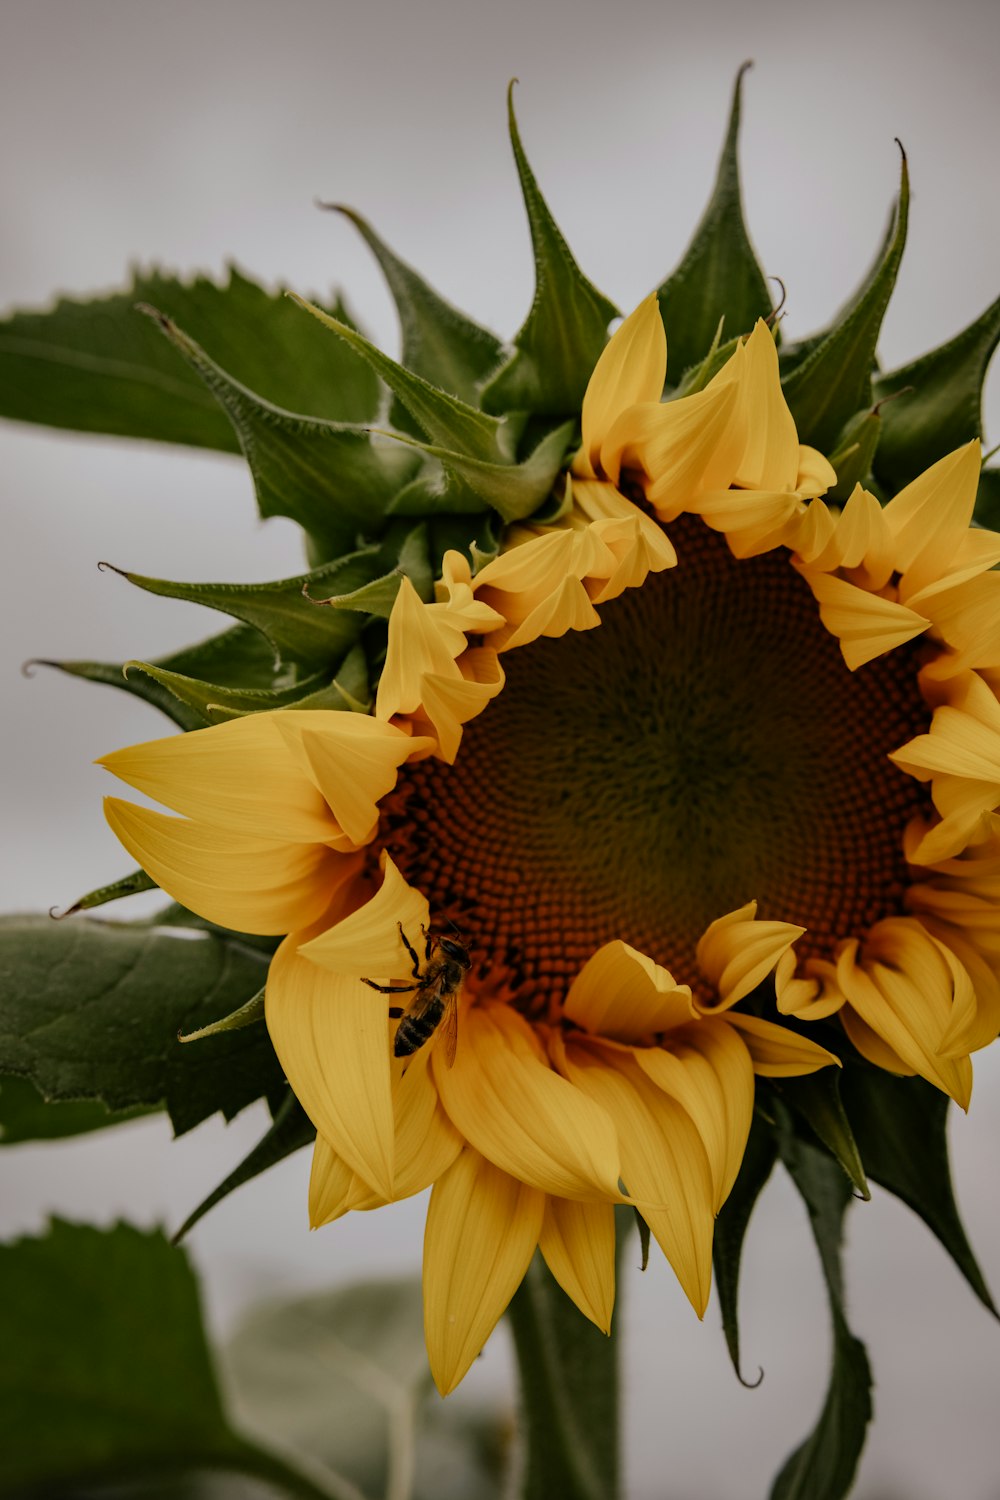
column 196, row 132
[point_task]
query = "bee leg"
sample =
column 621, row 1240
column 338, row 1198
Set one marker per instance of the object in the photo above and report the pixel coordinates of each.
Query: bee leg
column 428, row 942
column 390, row 989
column 411, row 951
column 395, row 1011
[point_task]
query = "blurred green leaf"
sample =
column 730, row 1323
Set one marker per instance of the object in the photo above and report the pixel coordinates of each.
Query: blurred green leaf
column 342, row 1377
column 440, row 344
column 91, row 1010
column 105, row 1373
column 901, row 1129
column 730, row 1232
column 719, row 275
column 823, row 1467
column 26, row 1116
column 944, row 407
column 98, row 366
column 560, row 341
column 987, row 512
column 835, row 379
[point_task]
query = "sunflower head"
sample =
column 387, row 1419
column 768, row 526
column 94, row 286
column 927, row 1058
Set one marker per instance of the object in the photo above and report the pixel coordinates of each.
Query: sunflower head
column 632, row 748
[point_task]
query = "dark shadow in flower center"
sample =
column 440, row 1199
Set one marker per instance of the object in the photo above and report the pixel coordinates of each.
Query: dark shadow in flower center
column 703, row 747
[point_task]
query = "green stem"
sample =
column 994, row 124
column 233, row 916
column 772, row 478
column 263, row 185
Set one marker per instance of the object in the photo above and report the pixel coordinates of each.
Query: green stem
column 569, row 1394
column 290, row 1480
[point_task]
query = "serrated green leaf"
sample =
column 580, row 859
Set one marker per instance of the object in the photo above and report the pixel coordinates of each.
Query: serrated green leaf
column 854, row 451
column 835, row 378
column 560, row 341
column 719, row 276
column 445, row 419
column 105, row 1372
column 515, row 491
column 730, row 1232
column 372, row 1421
column 98, row 366
column 816, row 1099
column 283, row 611
column 289, row 1131
column 944, row 408
column 987, row 511
column 238, row 658
column 440, row 344
column 900, row 1126
column 26, row 1116
column 91, row 1010
column 328, row 476
column 823, row 1467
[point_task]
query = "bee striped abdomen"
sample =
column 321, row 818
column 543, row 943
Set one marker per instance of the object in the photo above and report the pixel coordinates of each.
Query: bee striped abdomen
column 414, row 1030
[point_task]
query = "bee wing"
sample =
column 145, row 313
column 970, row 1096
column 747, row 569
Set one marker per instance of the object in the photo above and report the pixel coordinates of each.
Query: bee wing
column 449, row 1031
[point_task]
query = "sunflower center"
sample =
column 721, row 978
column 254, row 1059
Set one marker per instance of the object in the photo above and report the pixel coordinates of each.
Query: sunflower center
column 704, row 746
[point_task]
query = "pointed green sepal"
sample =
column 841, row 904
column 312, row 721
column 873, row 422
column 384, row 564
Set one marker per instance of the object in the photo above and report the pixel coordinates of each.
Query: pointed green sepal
column 854, row 451
column 214, row 702
column 790, row 356
column 900, row 1125
column 444, row 418
column 943, row 409
column 835, row 380
column 98, row 366
column 129, row 885
column 514, row 490
column 289, row 1131
column 245, row 1015
column 816, row 1100
column 440, row 344
column 730, row 1232
column 328, row 476
column 562, row 337
column 378, row 595
column 719, row 276
column 282, row 611
column 823, row 1467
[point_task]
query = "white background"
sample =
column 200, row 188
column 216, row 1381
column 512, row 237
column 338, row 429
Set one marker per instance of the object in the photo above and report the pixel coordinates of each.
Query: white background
column 194, row 132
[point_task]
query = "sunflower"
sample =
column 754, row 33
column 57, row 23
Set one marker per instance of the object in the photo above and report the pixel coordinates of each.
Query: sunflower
column 698, row 738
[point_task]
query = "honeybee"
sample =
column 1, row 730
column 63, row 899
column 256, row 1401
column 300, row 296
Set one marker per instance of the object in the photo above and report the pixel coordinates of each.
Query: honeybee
column 435, row 994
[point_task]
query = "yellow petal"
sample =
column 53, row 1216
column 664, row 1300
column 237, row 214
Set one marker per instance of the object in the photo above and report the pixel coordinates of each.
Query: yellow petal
column 451, row 702
column 816, row 474
column 663, row 1159
column 682, row 446
column 777, row 1052
column 237, row 880
column 632, row 367
column 930, row 517
column 621, row 993
column 420, row 642
column 770, row 458
column 353, row 760
column 958, row 745
column 736, row 952
column 865, row 624
column 367, row 943
column 330, row 1183
column 426, row 1141
column 578, row 1243
column 331, row 1035
column 707, row 1069
column 510, row 1104
column 239, row 776
column 753, row 521
column 482, row 1229
column 871, row 1045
